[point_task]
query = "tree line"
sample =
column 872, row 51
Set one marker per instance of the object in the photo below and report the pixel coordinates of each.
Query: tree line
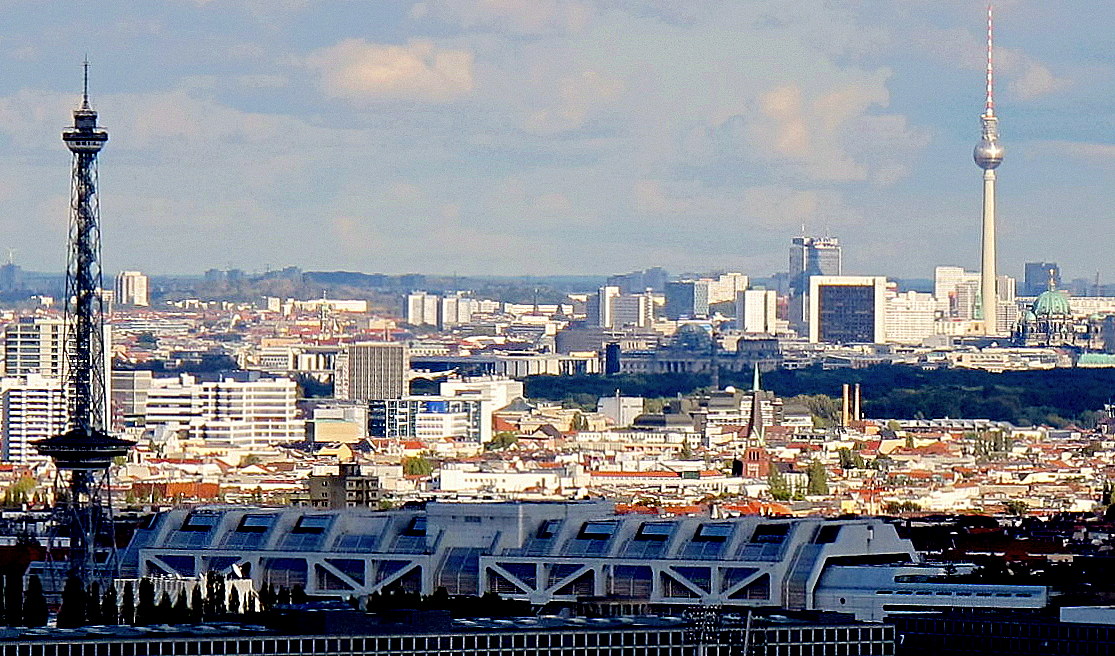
column 1057, row 397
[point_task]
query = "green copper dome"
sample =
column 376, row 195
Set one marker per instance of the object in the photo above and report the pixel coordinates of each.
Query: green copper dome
column 1052, row 303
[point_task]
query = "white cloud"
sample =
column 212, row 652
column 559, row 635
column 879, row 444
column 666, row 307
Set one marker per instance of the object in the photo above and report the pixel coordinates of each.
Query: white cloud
column 578, row 96
column 835, row 135
column 357, row 70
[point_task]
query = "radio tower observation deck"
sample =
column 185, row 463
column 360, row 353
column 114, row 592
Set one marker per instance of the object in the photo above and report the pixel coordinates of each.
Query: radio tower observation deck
column 85, row 451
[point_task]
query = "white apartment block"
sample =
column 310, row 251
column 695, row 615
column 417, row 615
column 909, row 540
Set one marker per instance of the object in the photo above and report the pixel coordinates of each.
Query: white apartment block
column 911, row 317
column 757, row 311
column 498, row 391
column 235, row 413
column 421, row 309
column 33, row 408
column 132, row 289
column 725, row 287
column 33, row 345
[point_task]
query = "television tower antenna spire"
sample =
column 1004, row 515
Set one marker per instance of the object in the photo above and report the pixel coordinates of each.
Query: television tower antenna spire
column 989, row 155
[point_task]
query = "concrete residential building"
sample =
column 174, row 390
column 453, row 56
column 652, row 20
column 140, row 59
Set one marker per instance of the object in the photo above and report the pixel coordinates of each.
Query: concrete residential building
column 421, row 309
column 33, row 345
column 129, row 396
column 911, row 317
column 725, row 287
column 34, row 408
column 132, row 289
column 242, row 414
column 372, row 370
column 847, row 309
column 757, row 311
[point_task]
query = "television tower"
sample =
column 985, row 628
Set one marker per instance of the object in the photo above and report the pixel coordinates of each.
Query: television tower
column 86, row 450
column 989, row 155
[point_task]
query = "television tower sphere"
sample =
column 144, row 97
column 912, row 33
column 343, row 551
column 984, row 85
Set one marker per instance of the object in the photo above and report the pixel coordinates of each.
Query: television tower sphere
column 988, row 153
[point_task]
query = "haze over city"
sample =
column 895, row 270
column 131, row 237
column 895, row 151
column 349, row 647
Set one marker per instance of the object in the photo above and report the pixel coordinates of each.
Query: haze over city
column 558, row 136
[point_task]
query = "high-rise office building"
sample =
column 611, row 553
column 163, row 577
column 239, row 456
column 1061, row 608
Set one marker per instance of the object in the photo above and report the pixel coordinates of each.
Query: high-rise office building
column 608, row 308
column 1038, row 276
column 687, row 298
column 847, row 309
column 132, row 289
column 757, row 311
column 34, row 408
column 813, row 256
column 372, row 370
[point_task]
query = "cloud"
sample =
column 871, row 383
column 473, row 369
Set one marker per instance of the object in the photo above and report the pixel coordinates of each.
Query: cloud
column 522, row 17
column 578, row 96
column 835, row 134
column 357, row 70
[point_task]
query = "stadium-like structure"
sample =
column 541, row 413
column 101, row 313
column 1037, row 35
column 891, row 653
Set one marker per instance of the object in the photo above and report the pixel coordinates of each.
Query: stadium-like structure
column 565, row 552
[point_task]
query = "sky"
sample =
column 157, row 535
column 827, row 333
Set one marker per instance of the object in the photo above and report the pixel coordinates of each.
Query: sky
column 544, row 137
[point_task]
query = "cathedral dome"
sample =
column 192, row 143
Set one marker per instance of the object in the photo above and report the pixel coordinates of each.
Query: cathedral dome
column 1052, row 303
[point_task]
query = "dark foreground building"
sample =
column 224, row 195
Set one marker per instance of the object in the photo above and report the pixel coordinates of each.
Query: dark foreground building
column 1001, row 635
column 532, row 636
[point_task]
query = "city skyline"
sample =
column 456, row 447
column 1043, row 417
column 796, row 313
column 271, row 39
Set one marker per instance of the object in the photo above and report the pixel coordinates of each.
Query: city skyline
column 457, row 138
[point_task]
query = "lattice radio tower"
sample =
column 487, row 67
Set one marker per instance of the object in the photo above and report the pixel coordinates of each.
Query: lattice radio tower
column 85, row 451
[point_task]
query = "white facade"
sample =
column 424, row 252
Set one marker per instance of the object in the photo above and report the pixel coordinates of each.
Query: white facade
column 131, row 289
column 34, row 408
column 911, row 317
column 457, row 309
column 725, row 287
column 421, row 309
column 500, row 392
column 34, row 345
column 622, row 410
column 757, row 311
column 239, row 414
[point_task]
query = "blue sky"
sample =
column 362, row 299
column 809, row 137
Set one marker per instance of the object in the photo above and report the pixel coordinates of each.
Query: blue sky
column 559, row 136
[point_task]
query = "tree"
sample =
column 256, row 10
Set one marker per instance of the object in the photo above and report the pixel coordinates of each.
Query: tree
column 34, row 603
column 417, row 466
column 145, row 605
column 779, row 488
column 1016, row 507
column 181, row 608
column 234, row 602
column 502, row 440
column 298, row 594
column 686, row 450
column 93, row 604
column 818, row 478
column 164, row 612
column 128, row 604
column 110, row 607
column 197, row 604
column 72, row 614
